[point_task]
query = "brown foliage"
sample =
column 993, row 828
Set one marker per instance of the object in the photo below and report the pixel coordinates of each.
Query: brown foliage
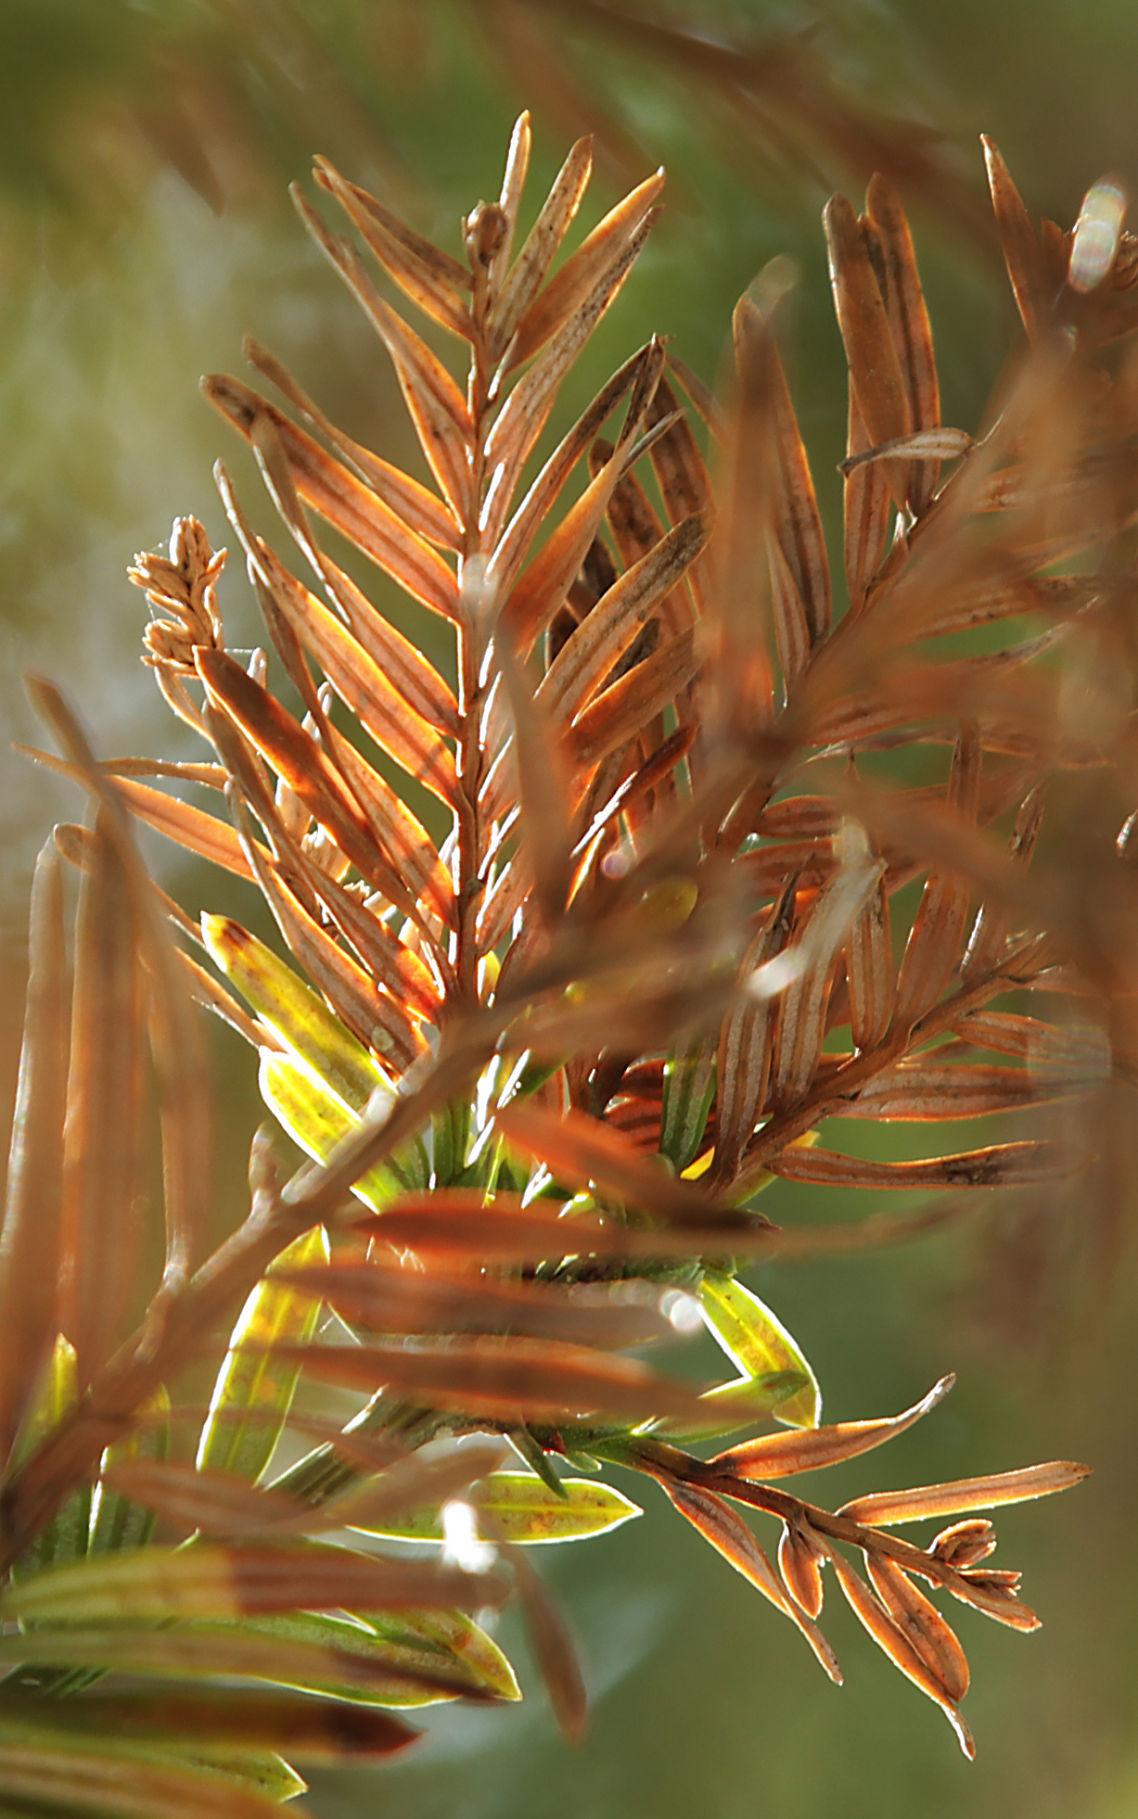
column 662, row 939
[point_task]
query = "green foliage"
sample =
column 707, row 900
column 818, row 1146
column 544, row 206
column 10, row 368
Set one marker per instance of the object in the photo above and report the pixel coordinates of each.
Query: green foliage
column 757, row 1342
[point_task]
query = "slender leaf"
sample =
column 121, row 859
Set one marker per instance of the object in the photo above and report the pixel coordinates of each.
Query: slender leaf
column 250, row 1379
column 885, row 1507
column 757, row 1342
column 317, row 1120
column 519, row 1508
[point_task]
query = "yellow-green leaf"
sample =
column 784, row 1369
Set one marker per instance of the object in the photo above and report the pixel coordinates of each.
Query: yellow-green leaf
column 270, row 1774
column 689, row 1088
column 53, row 1399
column 57, row 1775
column 65, row 1536
column 339, row 1656
column 519, row 1507
column 395, row 1647
column 462, row 1641
column 316, row 1120
column 295, row 1013
column 251, row 1377
column 758, row 1343
column 740, row 1403
column 219, row 1583
column 116, row 1522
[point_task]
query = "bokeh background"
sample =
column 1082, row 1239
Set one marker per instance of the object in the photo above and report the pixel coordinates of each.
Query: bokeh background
column 145, row 148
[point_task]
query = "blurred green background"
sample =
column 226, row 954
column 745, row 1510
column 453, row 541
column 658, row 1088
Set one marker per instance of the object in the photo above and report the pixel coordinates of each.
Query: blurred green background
column 145, row 146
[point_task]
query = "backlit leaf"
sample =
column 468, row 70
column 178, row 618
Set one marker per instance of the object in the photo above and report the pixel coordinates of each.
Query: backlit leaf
column 64, row 1538
column 729, row 1535
column 757, row 1343
column 348, row 504
column 400, row 1658
column 294, row 1013
column 922, row 1623
column 579, row 278
column 211, row 1581
column 539, row 249
column 581, row 1150
column 999, row 1164
column 29, row 1243
column 743, row 1402
column 431, row 278
column 317, row 1120
column 120, row 1785
column 250, row 1378
column 505, row 1379
column 895, row 1643
column 689, row 1088
column 519, row 1508
column 116, row 1521
column 184, row 1720
column 885, row 1507
column 812, row 1448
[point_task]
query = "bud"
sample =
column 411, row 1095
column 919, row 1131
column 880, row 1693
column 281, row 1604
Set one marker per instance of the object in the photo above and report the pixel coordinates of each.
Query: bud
column 486, row 227
column 965, row 1543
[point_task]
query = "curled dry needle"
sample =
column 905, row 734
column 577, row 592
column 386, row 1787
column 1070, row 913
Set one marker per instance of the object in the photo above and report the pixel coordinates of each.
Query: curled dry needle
column 555, row 1050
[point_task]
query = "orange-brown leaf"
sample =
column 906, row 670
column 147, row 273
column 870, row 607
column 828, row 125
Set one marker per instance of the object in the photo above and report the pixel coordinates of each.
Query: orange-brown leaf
column 798, row 527
column 729, row 1535
column 997, row 1165
column 374, row 1017
column 810, row 1449
column 434, row 402
column 430, row 277
column 30, row 1240
column 504, row 1379
column 363, row 686
column 103, row 1131
column 554, row 1649
column 418, row 874
column 458, row 1226
column 799, row 1562
column 1018, row 238
column 421, row 510
column 745, row 1046
column 895, row 1643
column 866, row 508
column 351, row 507
column 934, row 950
column 293, row 754
column 882, row 1508
column 909, row 321
column 527, row 409
column 402, row 1300
column 188, row 827
column 179, row 1720
column 866, row 332
column 513, row 187
column 921, row 1623
column 539, row 249
column 921, row 1089
column 580, row 1150
column 588, row 656
column 640, row 374
column 627, row 707
column 587, row 273
column 870, row 975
